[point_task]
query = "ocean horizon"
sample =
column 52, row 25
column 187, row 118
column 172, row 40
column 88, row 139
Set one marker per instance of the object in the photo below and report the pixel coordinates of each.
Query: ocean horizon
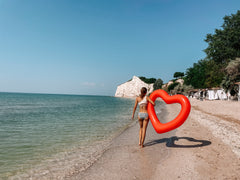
column 64, row 94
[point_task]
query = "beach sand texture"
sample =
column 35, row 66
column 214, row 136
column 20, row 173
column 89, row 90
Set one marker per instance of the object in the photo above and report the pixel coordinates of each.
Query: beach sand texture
column 206, row 146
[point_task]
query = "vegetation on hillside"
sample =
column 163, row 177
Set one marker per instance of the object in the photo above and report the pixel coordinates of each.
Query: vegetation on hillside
column 158, row 84
column 220, row 67
column 178, row 75
column 221, row 55
column 147, row 80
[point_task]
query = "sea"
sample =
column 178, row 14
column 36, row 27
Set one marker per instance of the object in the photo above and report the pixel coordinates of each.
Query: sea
column 47, row 136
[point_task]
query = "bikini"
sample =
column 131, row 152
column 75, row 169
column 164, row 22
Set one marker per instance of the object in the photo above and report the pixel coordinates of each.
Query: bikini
column 143, row 115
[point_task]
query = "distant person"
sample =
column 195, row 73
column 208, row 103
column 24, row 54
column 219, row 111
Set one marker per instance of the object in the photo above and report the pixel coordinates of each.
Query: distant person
column 142, row 100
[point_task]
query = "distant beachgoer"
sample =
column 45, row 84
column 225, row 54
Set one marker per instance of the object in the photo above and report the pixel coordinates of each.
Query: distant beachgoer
column 143, row 118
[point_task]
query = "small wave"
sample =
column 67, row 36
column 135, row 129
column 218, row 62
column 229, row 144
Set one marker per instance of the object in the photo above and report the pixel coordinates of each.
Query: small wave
column 59, row 142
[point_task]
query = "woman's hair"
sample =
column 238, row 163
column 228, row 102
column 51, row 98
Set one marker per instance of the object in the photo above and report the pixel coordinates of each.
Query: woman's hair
column 143, row 91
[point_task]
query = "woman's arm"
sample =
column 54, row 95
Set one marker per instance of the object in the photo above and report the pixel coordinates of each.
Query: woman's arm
column 135, row 107
column 150, row 101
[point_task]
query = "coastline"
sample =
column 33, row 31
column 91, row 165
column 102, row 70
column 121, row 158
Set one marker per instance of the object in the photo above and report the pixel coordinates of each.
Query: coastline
column 55, row 136
column 124, row 159
column 193, row 151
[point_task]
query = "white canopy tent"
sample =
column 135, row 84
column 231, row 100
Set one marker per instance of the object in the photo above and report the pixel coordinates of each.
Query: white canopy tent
column 214, row 94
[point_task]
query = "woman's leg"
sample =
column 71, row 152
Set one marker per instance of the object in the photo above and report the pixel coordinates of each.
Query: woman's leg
column 145, row 124
column 140, row 130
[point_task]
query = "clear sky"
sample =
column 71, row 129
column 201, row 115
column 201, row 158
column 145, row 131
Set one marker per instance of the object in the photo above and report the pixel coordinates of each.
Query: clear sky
column 91, row 46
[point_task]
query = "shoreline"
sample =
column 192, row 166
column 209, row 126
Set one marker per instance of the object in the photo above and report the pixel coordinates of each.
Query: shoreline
column 70, row 143
column 47, row 170
column 193, row 151
column 124, row 154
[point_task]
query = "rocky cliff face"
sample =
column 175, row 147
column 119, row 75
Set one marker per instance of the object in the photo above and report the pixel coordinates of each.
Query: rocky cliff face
column 132, row 88
column 180, row 81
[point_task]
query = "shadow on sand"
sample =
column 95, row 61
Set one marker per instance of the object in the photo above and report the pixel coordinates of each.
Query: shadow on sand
column 170, row 142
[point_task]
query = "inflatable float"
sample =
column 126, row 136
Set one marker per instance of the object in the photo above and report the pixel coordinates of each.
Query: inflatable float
column 175, row 123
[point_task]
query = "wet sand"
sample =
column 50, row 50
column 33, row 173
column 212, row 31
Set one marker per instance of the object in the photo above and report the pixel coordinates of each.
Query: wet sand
column 124, row 159
column 206, row 146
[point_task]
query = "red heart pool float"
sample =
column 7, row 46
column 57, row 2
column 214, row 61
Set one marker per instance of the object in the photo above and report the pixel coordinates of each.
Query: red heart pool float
column 175, row 123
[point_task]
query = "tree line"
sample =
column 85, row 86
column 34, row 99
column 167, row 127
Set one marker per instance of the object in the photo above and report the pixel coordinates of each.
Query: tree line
column 220, row 67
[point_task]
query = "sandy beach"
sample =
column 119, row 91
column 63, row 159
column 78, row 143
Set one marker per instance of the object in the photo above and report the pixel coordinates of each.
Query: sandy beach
column 206, row 146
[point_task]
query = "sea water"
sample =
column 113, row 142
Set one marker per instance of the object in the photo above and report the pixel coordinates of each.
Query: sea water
column 46, row 136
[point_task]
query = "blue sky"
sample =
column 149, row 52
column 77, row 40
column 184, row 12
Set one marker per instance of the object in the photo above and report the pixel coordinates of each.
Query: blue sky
column 91, row 46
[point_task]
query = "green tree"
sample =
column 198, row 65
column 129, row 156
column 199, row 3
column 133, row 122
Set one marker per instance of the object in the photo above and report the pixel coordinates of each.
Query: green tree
column 147, row 80
column 172, row 86
column 158, row 84
column 223, row 46
column 204, row 74
column 232, row 75
column 196, row 75
column 178, row 75
column 214, row 74
column 225, row 43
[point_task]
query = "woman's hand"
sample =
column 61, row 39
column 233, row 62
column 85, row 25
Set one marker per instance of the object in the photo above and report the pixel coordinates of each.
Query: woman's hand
column 153, row 103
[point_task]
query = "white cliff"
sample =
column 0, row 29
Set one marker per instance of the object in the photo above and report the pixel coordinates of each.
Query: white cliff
column 132, row 88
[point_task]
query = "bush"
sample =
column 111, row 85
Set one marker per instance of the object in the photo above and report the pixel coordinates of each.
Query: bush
column 158, row 84
column 172, row 86
column 148, row 80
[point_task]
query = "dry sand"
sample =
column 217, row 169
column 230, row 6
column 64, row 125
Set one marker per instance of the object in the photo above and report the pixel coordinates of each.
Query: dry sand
column 206, row 146
column 215, row 122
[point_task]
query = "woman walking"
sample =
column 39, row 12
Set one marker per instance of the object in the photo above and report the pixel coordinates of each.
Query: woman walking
column 143, row 119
